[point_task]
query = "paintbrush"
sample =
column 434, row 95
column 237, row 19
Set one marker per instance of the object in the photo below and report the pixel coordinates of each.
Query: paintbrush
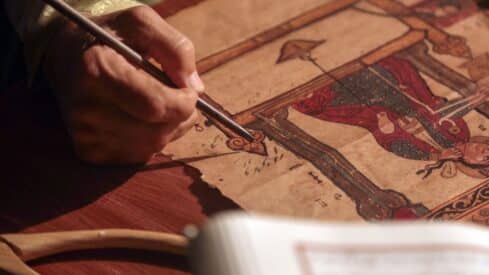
column 15, row 249
column 132, row 56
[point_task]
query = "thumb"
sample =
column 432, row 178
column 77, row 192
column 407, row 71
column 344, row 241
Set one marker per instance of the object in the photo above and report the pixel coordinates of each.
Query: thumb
column 144, row 30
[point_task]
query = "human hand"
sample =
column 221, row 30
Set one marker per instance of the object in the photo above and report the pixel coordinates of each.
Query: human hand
column 113, row 111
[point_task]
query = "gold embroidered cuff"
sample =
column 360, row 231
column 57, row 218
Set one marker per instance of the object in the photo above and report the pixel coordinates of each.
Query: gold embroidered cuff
column 48, row 24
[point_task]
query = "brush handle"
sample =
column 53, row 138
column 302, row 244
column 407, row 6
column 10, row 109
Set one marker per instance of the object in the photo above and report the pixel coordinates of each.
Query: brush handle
column 11, row 264
column 33, row 246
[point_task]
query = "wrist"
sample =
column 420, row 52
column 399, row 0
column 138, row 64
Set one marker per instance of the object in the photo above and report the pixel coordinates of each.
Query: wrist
column 50, row 22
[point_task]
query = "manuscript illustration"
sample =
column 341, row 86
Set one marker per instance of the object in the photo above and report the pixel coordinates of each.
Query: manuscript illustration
column 373, row 109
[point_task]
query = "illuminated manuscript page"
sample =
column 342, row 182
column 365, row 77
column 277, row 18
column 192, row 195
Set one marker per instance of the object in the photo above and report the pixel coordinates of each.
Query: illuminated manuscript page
column 362, row 109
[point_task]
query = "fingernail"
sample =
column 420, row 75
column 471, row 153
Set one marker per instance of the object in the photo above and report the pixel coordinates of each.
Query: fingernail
column 195, row 82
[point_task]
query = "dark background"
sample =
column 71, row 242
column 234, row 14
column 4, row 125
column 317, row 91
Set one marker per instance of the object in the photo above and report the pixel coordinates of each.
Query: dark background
column 11, row 60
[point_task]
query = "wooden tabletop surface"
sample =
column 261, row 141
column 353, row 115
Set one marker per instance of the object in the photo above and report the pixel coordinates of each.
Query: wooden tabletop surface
column 45, row 188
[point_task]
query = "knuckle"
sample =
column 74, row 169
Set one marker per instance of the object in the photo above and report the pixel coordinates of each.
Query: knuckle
column 90, row 62
column 93, row 53
column 70, row 27
column 183, row 110
column 108, row 66
column 141, row 14
column 155, row 110
column 140, row 23
column 184, row 47
column 184, row 55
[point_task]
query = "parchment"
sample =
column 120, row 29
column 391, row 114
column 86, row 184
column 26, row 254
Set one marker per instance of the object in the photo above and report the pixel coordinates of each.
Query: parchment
column 283, row 182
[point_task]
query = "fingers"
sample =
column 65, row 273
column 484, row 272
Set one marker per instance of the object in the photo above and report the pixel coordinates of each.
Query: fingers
column 103, row 134
column 115, row 112
column 113, row 79
column 185, row 126
column 145, row 30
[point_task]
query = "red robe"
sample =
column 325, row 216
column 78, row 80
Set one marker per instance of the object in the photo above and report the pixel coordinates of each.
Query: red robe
column 364, row 114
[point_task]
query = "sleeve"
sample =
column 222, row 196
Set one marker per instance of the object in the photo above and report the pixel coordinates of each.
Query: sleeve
column 36, row 23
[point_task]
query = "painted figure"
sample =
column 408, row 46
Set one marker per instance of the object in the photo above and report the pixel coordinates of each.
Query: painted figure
column 393, row 102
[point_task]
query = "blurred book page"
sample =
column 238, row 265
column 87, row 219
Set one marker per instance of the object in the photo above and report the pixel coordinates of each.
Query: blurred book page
column 243, row 244
column 317, row 260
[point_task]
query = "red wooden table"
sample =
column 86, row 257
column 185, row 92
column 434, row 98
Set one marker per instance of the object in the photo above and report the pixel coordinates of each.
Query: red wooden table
column 44, row 187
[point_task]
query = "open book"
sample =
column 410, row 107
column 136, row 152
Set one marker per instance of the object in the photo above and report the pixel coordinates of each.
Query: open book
column 241, row 244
